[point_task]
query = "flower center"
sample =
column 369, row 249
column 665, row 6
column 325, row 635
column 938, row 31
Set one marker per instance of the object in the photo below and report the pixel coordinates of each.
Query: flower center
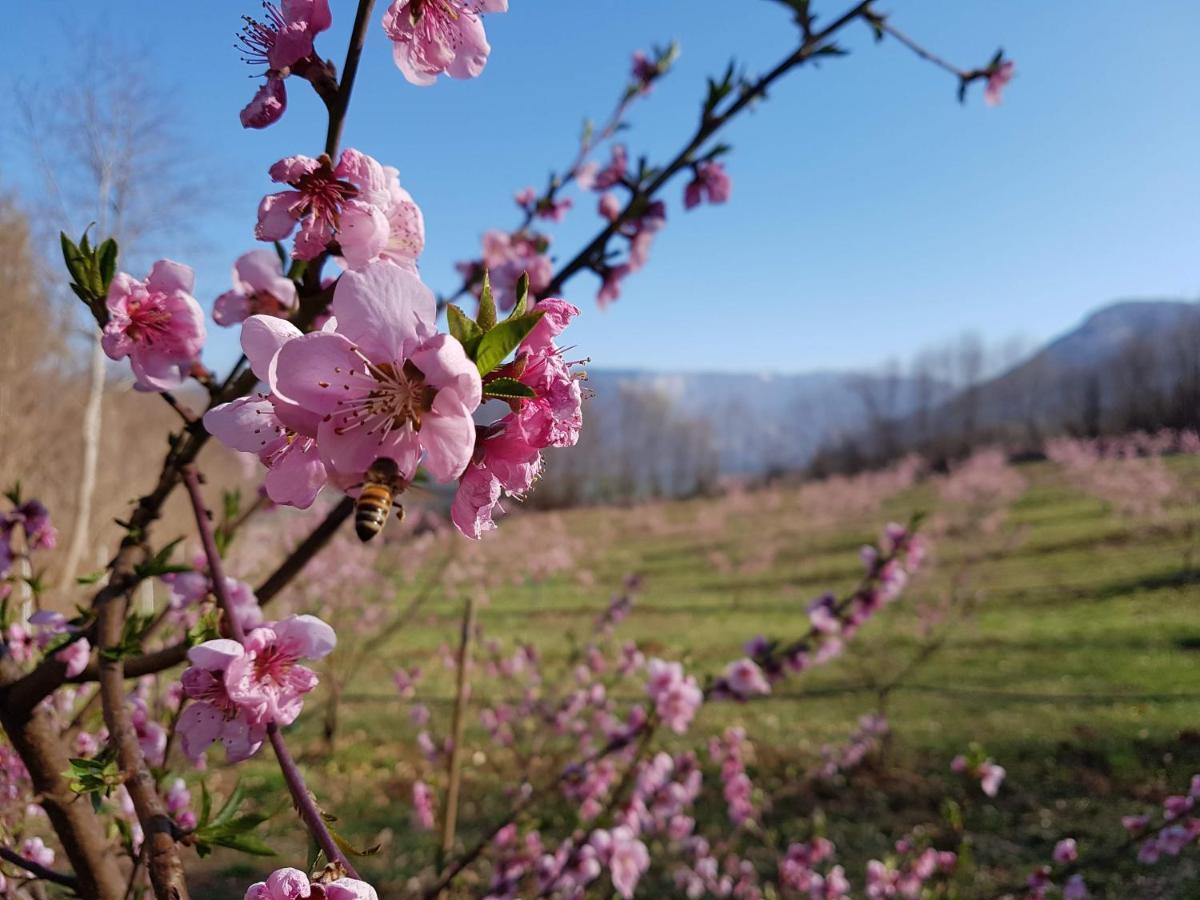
column 257, row 39
column 398, row 396
column 147, row 321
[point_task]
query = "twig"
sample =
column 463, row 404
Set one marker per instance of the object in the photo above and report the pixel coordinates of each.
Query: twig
column 39, row 871
column 307, row 807
column 337, row 113
column 454, row 759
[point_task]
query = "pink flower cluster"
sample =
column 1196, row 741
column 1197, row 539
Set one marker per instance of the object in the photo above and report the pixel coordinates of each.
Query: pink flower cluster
column 508, row 255
column 831, row 622
column 33, row 519
column 155, row 323
column 1183, row 831
column 798, row 871
column 238, row 689
column 359, row 203
column 378, row 382
column 507, row 455
column 435, row 37
column 283, row 43
column 710, row 183
column 728, row 751
column 906, row 875
column 292, row 884
column 676, row 697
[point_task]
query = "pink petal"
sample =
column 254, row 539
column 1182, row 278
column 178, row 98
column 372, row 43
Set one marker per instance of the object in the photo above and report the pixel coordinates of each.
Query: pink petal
column 230, row 308
column 306, row 636
column 266, row 106
column 448, row 436
column 446, row 366
column 168, row 276
column 261, row 272
column 275, row 219
column 363, row 232
column 262, row 339
column 313, row 370
column 386, row 311
column 199, row 725
column 354, row 450
column 216, row 654
column 471, row 53
column 248, row 424
column 297, row 477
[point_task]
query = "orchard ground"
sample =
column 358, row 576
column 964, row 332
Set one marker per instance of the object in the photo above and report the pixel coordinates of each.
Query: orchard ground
column 1072, row 656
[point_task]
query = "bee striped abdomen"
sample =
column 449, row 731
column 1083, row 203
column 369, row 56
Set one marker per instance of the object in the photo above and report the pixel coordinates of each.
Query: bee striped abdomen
column 372, row 509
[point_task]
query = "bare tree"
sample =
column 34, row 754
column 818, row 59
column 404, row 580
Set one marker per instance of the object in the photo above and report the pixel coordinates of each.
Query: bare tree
column 106, row 145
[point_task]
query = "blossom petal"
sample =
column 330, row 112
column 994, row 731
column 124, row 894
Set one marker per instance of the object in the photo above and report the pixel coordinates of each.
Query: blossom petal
column 315, row 369
column 168, row 276
column 262, row 339
column 216, row 654
column 446, row 366
column 448, row 436
column 297, row 477
column 306, row 636
column 385, row 310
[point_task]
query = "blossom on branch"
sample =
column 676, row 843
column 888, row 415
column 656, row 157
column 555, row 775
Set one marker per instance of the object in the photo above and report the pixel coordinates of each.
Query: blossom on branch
column 282, row 41
column 432, row 37
column 259, row 286
column 156, row 323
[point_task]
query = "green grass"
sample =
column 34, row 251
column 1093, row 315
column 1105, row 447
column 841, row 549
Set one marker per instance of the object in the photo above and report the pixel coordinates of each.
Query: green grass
column 1076, row 665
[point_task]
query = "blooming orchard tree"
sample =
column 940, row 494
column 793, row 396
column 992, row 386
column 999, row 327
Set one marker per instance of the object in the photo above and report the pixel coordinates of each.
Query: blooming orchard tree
column 351, row 385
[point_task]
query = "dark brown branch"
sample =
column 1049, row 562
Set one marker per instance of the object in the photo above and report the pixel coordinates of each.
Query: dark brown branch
column 39, row 871
column 162, row 861
column 709, row 125
column 341, row 103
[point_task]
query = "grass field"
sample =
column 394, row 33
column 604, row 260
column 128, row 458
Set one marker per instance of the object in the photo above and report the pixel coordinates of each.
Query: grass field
column 1068, row 646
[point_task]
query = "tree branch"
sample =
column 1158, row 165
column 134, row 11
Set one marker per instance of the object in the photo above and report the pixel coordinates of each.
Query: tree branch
column 307, row 807
column 341, row 104
column 39, row 871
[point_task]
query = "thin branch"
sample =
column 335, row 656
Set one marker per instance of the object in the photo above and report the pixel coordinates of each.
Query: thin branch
column 39, row 871
column 454, row 758
column 341, row 104
column 307, row 807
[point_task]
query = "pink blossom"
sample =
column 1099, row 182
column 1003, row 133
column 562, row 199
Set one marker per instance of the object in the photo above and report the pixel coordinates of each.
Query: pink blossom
column 422, row 798
column 379, row 186
column 157, row 323
column 991, row 776
column 625, row 855
column 675, row 697
column 745, row 679
column 609, row 206
column 325, row 205
column 282, row 884
column 1065, row 851
column 213, row 715
column 610, row 288
column 711, row 182
column 384, row 382
column 281, row 433
column 997, row 80
column 259, row 286
column 614, row 172
column 644, row 71
column 431, row 37
column 266, row 681
column 179, row 804
column 35, row 850
column 281, row 42
column 75, row 656
column 507, row 256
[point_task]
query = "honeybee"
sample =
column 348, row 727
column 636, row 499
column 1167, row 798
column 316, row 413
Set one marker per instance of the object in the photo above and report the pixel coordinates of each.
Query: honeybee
column 381, row 485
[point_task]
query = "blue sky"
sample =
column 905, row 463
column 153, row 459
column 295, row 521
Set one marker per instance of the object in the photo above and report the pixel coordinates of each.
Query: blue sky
column 872, row 214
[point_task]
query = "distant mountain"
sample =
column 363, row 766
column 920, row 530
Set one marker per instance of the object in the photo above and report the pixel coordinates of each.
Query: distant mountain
column 1131, row 365
column 758, row 422
column 1104, row 333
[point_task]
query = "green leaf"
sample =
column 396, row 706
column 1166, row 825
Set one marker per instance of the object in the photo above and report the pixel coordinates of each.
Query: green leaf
column 502, row 340
column 92, row 578
column 522, row 297
column 463, row 329
column 281, row 252
column 348, row 848
column 230, row 808
column 160, row 563
column 487, row 305
column 246, row 843
column 507, row 389
column 205, row 804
